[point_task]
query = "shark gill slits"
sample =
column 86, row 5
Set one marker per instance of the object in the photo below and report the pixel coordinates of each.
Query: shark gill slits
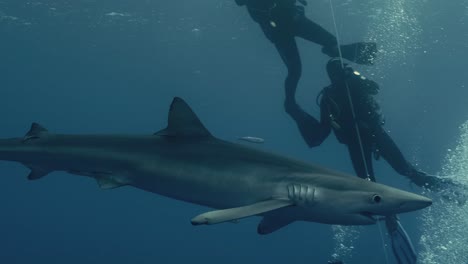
column 301, row 194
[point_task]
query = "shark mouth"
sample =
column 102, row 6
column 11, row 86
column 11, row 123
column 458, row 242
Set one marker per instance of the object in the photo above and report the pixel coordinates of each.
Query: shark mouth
column 372, row 217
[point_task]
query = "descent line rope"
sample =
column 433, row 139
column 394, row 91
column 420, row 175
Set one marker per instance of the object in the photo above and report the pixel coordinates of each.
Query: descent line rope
column 353, row 114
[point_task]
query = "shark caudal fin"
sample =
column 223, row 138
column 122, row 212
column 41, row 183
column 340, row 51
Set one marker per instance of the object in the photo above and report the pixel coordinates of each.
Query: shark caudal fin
column 183, row 122
column 35, row 132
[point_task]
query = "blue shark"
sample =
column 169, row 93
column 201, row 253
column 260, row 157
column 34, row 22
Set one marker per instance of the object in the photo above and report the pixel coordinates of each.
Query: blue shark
column 184, row 161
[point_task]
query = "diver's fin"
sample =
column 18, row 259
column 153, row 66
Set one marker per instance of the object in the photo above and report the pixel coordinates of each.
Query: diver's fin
column 402, row 247
column 219, row 216
column 182, row 121
column 308, row 126
column 272, row 223
column 361, row 52
column 36, row 172
column 35, row 131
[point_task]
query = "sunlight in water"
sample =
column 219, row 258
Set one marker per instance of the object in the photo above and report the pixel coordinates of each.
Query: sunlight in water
column 445, row 224
column 344, row 238
column 395, row 26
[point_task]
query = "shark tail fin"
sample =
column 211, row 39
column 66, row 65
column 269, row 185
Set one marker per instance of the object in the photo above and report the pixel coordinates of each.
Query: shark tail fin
column 34, row 132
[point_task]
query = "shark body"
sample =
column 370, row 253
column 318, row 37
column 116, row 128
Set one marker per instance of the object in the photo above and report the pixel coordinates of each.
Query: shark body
column 185, row 162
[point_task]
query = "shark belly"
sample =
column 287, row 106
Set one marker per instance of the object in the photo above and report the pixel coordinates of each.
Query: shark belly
column 222, row 187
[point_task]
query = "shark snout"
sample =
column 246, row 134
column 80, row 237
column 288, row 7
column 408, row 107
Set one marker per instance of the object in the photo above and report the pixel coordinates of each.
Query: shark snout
column 416, row 202
column 395, row 201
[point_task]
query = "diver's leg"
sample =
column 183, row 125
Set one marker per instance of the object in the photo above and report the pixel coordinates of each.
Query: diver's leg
column 392, row 154
column 395, row 158
column 287, row 49
column 361, row 159
column 311, row 31
column 307, row 125
column 361, row 52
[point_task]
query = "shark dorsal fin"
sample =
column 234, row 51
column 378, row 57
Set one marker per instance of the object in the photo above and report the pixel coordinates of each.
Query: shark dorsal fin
column 182, row 121
column 35, row 131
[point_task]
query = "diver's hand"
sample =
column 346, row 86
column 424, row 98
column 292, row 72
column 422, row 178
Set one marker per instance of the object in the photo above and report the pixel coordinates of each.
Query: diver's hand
column 447, row 189
column 432, row 182
column 427, row 181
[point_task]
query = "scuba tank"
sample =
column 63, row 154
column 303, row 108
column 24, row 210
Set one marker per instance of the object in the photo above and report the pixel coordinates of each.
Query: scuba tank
column 367, row 110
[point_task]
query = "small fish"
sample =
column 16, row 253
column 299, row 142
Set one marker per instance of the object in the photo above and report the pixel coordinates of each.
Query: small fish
column 115, row 14
column 252, row 139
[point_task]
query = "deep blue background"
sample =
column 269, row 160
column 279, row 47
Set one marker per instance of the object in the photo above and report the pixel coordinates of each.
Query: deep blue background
column 74, row 68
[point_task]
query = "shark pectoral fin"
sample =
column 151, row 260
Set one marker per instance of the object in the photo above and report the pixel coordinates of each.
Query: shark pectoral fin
column 272, row 223
column 108, row 183
column 232, row 214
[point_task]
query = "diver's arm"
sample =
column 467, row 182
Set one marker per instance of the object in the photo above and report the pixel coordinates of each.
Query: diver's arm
column 325, row 124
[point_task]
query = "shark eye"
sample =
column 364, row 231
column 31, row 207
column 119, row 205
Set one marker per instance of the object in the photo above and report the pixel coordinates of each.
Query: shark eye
column 376, row 198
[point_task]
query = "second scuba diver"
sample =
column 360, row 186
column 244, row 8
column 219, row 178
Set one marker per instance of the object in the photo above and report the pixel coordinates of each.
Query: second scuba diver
column 348, row 107
column 337, row 115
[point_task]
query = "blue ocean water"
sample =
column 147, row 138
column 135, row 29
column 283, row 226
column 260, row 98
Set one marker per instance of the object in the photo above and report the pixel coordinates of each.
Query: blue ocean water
column 114, row 66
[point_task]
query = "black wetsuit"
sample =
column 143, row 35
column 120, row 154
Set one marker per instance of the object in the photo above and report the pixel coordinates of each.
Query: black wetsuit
column 336, row 114
column 350, row 91
column 282, row 21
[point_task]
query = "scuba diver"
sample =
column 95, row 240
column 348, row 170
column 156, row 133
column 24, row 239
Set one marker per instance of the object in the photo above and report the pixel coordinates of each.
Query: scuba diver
column 281, row 21
column 337, row 115
column 348, row 107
